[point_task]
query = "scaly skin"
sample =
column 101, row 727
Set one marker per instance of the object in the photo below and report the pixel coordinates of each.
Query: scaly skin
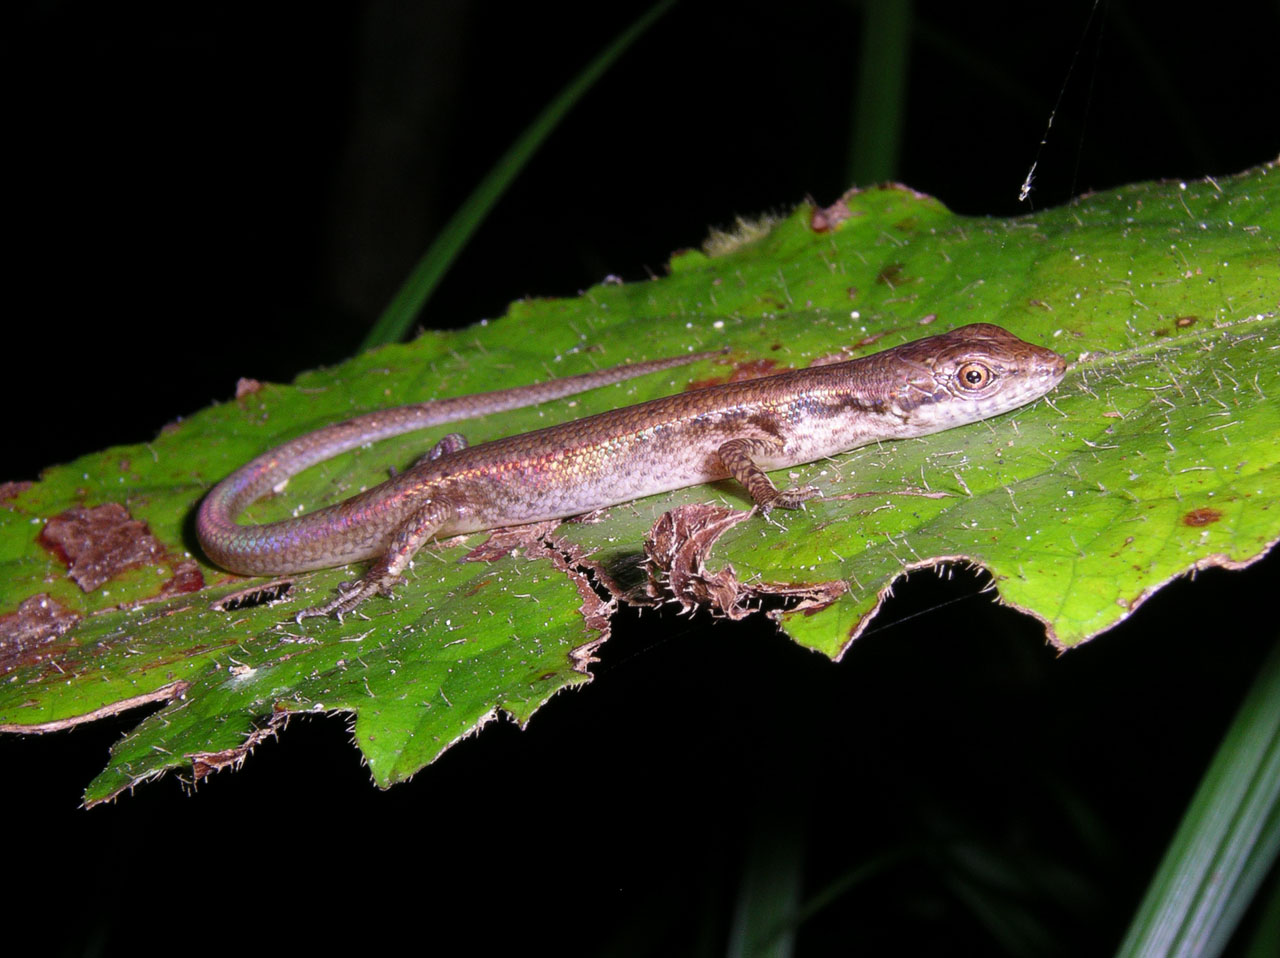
column 736, row 430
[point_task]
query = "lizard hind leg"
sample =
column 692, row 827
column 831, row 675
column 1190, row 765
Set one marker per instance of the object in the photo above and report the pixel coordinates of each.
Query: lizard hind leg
column 385, row 574
column 453, row 442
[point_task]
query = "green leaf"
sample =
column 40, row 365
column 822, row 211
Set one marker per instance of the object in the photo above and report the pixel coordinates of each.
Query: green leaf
column 1154, row 458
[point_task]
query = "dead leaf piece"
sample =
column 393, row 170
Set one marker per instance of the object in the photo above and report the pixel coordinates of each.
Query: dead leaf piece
column 204, row 764
column 167, row 693
column 246, row 387
column 99, row 543
column 26, row 634
column 536, row 542
column 677, row 548
column 596, row 612
column 529, row 539
column 828, row 218
column 809, row 597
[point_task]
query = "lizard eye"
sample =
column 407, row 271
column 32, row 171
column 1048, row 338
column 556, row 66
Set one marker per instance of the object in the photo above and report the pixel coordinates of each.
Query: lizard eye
column 975, row 376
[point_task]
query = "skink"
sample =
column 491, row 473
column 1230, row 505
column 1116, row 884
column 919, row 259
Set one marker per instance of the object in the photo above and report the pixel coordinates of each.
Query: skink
column 739, row 430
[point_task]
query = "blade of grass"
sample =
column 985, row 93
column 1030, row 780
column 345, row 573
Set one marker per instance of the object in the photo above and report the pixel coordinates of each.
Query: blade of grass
column 1227, row 841
column 880, row 99
column 398, row 317
column 840, row 887
column 1265, row 938
column 769, row 894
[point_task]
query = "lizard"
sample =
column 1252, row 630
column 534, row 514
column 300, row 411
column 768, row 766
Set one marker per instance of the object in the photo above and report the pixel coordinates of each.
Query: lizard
column 738, row 430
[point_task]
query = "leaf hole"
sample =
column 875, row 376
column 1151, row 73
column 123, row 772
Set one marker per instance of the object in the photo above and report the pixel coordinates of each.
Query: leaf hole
column 255, row 596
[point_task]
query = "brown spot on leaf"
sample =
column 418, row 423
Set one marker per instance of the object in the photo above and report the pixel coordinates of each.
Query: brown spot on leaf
column 98, row 543
column 1201, row 517
column 753, row 369
column 891, row 275
column 697, row 384
column 748, row 369
column 186, row 577
column 11, row 490
column 1128, row 541
column 27, row 635
column 479, row 586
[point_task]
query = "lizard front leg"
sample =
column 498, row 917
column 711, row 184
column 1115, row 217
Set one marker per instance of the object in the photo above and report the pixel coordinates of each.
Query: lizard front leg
column 738, row 457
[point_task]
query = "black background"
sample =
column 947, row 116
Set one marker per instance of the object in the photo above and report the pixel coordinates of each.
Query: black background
column 201, row 193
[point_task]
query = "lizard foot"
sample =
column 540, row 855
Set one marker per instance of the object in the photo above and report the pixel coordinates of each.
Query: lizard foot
column 350, row 595
column 791, row 498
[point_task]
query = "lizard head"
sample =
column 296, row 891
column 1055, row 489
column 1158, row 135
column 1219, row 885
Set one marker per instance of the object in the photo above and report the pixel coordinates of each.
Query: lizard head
column 970, row 373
